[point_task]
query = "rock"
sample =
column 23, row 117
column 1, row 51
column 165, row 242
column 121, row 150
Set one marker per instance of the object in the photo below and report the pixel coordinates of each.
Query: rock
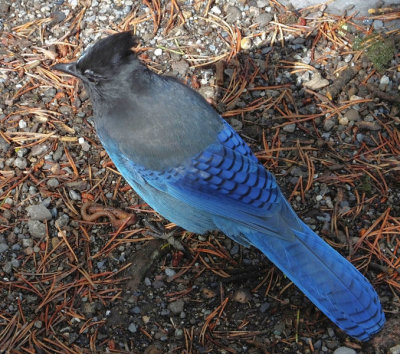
column 207, row 92
column 132, row 328
column 233, row 14
column 236, row 124
column 378, row 24
column 53, row 183
column 208, row 293
column 343, row 121
column 36, row 228
column 38, row 212
column 262, row 3
column 38, row 324
column 158, row 52
column 246, row 43
column 352, row 91
column 344, row 350
column 74, row 195
column 62, row 221
column 180, row 67
column 39, row 149
column 384, row 82
column 169, row 272
column 4, row 146
column 369, row 125
column 57, row 16
column 22, row 124
column 329, row 124
column 21, row 163
column 290, row 128
column 263, row 19
column 317, row 82
column 3, row 247
column 242, row 296
column 395, row 349
column 66, row 110
column 176, row 306
column 27, row 242
column 216, row 10
column 348, row 58
column 4, row 7
column 178, row 333
column 7, row 267
column 352, row 115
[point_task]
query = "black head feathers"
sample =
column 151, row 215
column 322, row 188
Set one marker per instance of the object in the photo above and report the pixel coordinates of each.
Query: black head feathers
column 106, row 56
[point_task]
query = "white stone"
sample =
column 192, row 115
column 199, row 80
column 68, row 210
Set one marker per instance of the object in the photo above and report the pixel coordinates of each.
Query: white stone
column 216, row 10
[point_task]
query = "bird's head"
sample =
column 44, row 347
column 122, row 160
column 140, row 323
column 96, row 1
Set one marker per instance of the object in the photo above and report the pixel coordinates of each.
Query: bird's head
column 104, row 60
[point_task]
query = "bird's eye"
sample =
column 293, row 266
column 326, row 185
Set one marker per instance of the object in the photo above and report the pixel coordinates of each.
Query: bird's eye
column 91, row 76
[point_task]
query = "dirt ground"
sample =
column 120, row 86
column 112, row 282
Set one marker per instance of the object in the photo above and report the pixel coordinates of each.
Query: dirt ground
column 316, row 96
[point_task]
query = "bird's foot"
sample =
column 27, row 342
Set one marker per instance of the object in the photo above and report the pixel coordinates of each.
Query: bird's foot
column 158, row 231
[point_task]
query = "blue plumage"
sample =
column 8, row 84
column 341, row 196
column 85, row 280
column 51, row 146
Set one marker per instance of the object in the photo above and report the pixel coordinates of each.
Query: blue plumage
column 189, row 165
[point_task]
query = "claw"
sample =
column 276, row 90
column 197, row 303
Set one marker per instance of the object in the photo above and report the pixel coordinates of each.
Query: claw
column 158, row 231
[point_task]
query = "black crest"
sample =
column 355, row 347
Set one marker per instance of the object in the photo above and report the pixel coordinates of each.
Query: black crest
column 108, row 53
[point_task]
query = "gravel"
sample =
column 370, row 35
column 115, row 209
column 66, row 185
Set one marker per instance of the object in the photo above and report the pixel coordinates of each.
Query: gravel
column 38, row 212
column 52, row 162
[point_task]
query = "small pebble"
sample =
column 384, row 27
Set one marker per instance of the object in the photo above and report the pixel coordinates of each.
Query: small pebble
column 39, row 212
column 290, row 128
column 74, row 195
column 233, row 14
column 245, row 43
column 36, row 228
column 216, row 10
column 3, row 247
column 344, row 350
column 53, row 183
column 352, row 115
column 22, row 124
column 39, row 149
column 27, row 242
column 169, row 272
column 395, row 349
column 176, row 306
column 348, row 58
column 132, row 328
column 178, row 333
column 242, row 296
column 329, row 124
column 208, row 293
column 384, row 82
column 158, row 52
column 21, row 163
column 317, row 82
column 343, row 121
column 38, row 324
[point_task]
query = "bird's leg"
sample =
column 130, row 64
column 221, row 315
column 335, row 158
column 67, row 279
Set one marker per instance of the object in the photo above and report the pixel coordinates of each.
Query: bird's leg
column 158, row 231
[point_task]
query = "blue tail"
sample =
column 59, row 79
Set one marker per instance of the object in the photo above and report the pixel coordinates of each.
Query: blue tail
column 332, row 283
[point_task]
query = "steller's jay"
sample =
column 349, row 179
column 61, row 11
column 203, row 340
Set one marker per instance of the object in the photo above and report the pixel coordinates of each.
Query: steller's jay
column 190, row 166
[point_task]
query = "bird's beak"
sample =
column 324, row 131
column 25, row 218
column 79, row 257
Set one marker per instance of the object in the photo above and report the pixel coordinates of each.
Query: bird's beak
column 69, row 68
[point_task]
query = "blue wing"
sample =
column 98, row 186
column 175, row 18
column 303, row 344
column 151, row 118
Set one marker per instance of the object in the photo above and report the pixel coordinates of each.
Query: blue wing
column 227, row 181
column 226, row 188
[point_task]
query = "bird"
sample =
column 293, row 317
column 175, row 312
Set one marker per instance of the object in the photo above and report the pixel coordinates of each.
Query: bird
column 187, row 163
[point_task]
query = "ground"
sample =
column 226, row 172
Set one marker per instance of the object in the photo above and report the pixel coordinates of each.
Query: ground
column 316, row 96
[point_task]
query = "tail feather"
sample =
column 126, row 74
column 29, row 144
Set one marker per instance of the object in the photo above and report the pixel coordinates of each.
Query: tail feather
column 332, row 283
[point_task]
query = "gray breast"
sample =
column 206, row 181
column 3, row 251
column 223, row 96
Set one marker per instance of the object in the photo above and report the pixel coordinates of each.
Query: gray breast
column 159, row 126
